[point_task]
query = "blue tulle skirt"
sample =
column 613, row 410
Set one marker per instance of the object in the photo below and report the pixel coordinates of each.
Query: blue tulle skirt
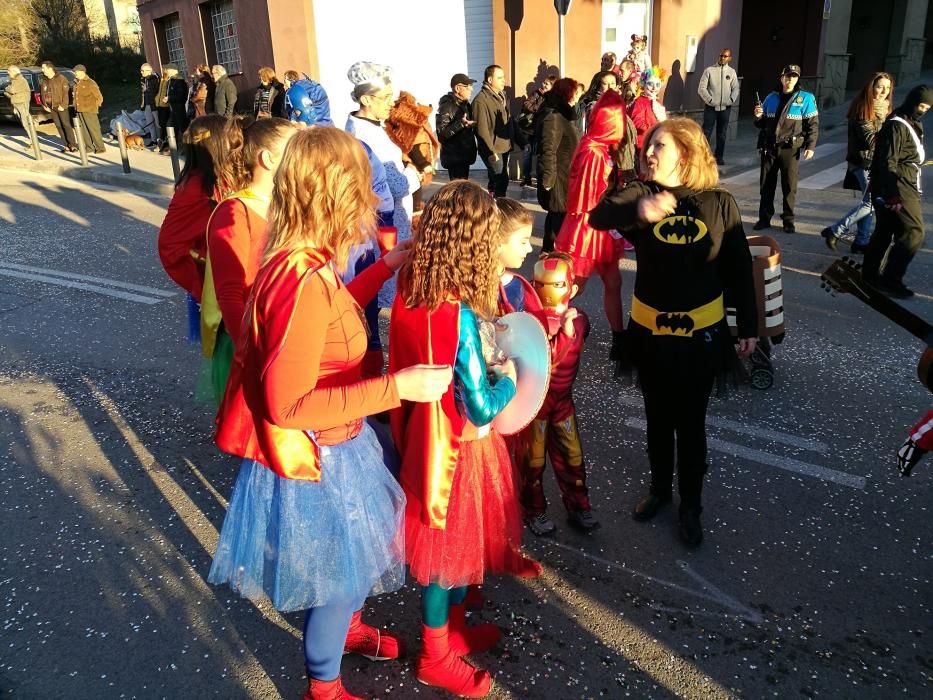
column 304, row 544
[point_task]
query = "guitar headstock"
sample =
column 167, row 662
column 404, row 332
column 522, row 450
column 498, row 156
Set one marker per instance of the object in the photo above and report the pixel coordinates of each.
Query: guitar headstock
column 845, row 277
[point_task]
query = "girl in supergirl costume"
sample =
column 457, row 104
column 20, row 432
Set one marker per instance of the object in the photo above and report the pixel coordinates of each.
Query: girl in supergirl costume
column 693, row 261
column 211, row 152
column 462, row 519
column 315, row 518
column 592, row 250
column 236, row 237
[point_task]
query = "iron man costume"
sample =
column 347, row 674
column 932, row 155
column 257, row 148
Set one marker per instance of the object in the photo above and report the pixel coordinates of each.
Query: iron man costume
column 554, row 431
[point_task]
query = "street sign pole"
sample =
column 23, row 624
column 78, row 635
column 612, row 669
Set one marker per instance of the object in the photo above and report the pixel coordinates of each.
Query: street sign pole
column 562, row 7
column 560, row 43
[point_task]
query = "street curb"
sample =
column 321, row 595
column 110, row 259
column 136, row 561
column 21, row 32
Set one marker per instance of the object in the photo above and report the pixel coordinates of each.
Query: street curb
column 102, row 175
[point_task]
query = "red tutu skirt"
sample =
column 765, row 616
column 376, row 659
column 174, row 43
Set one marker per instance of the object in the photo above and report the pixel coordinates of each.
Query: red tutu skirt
column 484, row 522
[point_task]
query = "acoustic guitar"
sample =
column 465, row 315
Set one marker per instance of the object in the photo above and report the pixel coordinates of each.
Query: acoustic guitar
column 845, row 276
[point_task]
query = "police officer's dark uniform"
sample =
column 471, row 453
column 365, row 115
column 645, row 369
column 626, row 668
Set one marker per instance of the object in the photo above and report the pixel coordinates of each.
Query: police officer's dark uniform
column 790, row 122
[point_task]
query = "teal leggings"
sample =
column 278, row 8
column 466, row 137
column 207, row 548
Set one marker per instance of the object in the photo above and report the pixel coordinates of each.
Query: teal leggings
column 436, row 602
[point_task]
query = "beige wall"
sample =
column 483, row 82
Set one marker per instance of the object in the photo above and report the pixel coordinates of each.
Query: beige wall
column 715, row 23
column 536, row 45
column 291, row 22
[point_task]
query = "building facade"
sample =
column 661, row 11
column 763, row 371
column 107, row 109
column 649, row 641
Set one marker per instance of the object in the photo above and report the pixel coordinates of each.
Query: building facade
column 838, row 43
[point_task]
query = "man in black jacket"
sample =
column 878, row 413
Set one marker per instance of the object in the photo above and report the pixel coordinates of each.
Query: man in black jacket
column 149, row 90
column 895, row 187
column 177, row 94
column 455, row 128
column 56, row 100
column 493, row 132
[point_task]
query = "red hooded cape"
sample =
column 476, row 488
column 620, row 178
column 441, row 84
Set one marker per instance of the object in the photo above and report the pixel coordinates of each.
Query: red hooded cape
column 589, row 177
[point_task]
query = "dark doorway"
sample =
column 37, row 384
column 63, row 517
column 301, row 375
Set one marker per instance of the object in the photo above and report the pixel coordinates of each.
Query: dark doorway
column 869, row 30
column 773, row 35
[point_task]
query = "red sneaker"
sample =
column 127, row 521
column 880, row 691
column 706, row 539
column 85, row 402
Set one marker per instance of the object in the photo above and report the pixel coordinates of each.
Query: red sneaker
column 328, row 690
column 368, row 641
column 439, row 666
column 470, row 639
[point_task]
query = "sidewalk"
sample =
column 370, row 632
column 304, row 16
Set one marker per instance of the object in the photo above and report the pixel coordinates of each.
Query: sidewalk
column 150, row 172
column 742, row 151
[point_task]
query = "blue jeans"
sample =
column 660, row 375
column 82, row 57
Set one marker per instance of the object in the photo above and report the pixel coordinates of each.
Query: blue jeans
column 862, row 214
column 498, row 172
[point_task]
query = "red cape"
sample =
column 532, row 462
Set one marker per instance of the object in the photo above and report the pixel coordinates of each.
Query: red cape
column 427, row 435
column 590, row 170
column 243, row 426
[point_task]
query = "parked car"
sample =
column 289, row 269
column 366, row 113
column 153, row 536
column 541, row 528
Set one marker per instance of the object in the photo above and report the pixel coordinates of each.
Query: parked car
column 32, row 75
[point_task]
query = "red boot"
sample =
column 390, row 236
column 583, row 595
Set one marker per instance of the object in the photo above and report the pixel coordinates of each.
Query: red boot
column 440, row 667
column 368, row 641
column 474, row 598
column 328, row 690
column 470, row 639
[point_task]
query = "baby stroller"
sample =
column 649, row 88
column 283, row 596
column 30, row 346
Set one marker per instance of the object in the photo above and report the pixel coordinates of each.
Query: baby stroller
column 769, row 292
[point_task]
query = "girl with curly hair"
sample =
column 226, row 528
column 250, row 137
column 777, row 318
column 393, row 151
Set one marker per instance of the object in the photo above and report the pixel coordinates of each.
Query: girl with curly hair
column 314, row 521
column 462, row 519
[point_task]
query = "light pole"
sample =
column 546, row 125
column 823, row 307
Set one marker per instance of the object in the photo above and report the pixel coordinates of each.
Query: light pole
column 562, row 7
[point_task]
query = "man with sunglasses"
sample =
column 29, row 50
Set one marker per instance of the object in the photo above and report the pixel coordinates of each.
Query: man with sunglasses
column 719, row 90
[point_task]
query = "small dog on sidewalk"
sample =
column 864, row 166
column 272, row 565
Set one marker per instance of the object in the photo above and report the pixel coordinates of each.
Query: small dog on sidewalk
column 133, row 141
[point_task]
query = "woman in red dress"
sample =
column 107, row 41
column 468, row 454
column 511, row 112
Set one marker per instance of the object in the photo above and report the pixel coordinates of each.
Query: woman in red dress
column 596, row 252
column 314, row 521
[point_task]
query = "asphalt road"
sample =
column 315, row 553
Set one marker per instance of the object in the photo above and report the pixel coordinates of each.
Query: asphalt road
column 814, row 579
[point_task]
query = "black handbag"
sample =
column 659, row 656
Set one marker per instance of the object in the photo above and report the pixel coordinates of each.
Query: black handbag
column 851, row 182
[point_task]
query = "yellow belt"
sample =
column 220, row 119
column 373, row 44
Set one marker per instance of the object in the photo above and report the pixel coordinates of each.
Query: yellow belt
column 682, row 323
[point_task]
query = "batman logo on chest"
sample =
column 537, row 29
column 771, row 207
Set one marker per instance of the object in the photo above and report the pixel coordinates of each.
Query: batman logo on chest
column 680, row 230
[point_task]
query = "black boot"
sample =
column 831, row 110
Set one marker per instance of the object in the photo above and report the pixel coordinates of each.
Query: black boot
column 616, row 353
column 691, row 531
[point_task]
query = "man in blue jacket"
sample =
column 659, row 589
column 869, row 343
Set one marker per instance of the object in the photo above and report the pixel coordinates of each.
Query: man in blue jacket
column 790, row 124
column 306, row 101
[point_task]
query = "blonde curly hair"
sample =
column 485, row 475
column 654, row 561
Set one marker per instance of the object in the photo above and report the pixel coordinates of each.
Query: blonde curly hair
column 456, row 250
column 323, row 196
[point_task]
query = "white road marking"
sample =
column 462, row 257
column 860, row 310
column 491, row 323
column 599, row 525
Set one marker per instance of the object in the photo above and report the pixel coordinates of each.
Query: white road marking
column 127, row 296
column 88, row 278
column 786, row 463
column 753, row 431
column 750, row 177
column 825, row 178
column 709, row 593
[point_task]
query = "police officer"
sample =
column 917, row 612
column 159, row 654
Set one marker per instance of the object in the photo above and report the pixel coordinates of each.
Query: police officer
column 789, row 124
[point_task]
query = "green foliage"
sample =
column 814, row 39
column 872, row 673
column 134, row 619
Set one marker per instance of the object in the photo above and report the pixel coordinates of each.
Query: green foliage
column 17, row 33
column 106, row 60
